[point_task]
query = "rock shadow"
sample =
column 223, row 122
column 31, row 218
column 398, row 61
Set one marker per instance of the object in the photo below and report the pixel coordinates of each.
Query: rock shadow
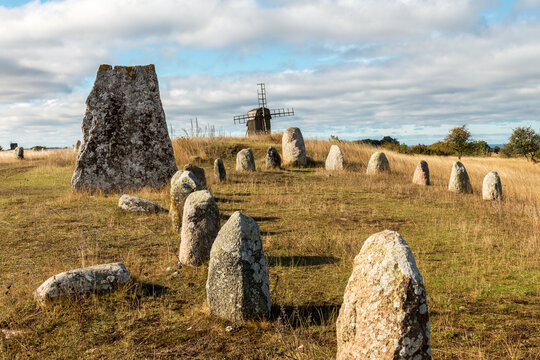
column 142, row 289
column 296, row 316
column 300, row 260
column 225, row 200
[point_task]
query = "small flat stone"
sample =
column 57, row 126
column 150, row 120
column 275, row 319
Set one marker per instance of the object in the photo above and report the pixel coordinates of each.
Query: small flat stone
column 137, row 204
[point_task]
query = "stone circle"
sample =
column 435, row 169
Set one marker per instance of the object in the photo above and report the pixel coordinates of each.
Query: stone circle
column 334, row 160
column 183, row 183
column 492, row 187
column 293, row 147
column 378, row 163
column 245, row 160
column 137, row 204
column 421, row 174
column 273, row 160
column 219, row 170
column 459, row 179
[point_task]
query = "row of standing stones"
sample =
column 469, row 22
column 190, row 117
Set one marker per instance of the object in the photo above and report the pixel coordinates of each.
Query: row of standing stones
column 384, row 313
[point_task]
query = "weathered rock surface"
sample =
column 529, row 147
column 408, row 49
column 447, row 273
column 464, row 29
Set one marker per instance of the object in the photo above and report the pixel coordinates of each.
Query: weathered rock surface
column 136, row 204
column 334, row 160
column 77, row 146
column 97, row 278
column 459, row 179
column 245, row 160
column 219, row 170
column 19, row 152
column 378, row 163
column 273, row 160
column 200, row 226
column 492, row 187
column 198, row 172
column 237, row 287
column 125, row 144
column 421, row 174
column 384, row 313
column 183, row 183
column 293, row 147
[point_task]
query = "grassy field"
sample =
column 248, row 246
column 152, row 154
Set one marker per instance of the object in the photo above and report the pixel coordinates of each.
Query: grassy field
column 479, row 260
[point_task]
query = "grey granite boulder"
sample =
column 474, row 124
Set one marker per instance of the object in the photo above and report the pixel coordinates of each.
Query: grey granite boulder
column 136, row 204
column 492, row 187
column 334, row 160
column 245, row 160
column 200, row 226
column 459, row 179
column 384, row 314
column 378, row 163
column 421, row 174
column 198, row 172
column 237, row 288
column 219, row 170
column 273, row 160
column 183, row 183
column 293, row 147
column 19, row 152
column 125, row 144
column 91, row 279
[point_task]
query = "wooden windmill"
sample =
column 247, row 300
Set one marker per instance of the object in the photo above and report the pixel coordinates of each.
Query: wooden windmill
column 258, row 120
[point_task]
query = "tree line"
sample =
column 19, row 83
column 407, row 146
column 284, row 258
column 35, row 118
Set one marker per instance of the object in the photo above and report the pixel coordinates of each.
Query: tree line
column 524, row 141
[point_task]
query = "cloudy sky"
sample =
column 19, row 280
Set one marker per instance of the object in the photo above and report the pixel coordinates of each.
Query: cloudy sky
column 411, row 69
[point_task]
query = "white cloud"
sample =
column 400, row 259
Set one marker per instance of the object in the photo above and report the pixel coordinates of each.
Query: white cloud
column 388, row 64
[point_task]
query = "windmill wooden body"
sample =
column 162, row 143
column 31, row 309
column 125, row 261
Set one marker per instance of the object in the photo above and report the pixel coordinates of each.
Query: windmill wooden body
column 258, row 120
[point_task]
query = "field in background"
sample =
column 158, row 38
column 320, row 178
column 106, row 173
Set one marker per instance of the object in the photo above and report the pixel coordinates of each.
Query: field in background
column 479, row 259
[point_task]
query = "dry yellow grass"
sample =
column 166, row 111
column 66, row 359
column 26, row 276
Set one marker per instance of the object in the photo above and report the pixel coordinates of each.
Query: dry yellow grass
column 479, row 259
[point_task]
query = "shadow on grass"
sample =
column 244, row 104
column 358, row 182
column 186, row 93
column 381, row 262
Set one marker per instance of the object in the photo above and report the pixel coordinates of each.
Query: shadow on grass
column 305, row 315
column 300, row 260
column 142, row 289
column 225, row 200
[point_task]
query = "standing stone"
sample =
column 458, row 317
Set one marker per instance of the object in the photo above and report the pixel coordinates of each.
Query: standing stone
column 334, row 160
column 183, row 183
column 19, row 152
column 273, row 160
column 421, row 174
column 237, row 288
column 125, row 144
column 198, row 172
column 77, row 146
column 384, row 313
column 459, row 179
column 245, row 160
column 136, row 204
column 219, row 170
column 492, row 187
column 294, row 150
column 378, row 163
column 94, row 279
column 200, row 225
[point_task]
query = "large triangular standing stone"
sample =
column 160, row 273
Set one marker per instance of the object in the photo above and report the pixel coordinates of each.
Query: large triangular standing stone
column 125, row 143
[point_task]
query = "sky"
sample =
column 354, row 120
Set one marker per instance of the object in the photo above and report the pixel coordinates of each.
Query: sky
column 410, row 69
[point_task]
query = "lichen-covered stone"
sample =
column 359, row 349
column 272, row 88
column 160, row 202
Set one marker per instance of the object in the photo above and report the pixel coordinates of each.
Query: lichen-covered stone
column 378, row 163
column 77, row 146
column 183, row 183
column 19, row 152
column 384, row 313
column 459, row 179
column 125, row 144
column 245, row 160
column 237, row 288
column 200, row 225
column 273, row 160
column 334, row 160
column 219, row 170
column 198, row 172
column 293, row 147
column 492, row 187
column 136, row 204
column 421, row 174
column 95, row 279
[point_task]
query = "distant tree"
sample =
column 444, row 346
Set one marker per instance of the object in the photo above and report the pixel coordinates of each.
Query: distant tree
column 389, row 140
column 1, row 148
column 480, row 148
column 458, row 140
column 334, row 138
column 525, row 141
column 496, row 149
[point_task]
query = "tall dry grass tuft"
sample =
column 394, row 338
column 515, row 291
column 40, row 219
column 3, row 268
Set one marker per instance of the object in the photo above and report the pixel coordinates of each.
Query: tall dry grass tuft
column 44, row 158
